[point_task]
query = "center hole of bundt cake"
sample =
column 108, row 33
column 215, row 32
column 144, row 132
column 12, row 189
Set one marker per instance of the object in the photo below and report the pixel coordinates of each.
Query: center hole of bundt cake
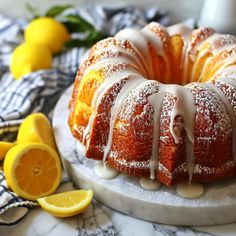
column 179, row 65
column 179, row 74
column 174, row 73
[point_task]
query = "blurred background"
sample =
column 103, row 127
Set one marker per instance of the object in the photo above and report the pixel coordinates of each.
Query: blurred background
column 179, row 9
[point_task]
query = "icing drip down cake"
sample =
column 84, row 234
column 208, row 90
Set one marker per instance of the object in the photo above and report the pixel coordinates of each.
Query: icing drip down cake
column 159, row 103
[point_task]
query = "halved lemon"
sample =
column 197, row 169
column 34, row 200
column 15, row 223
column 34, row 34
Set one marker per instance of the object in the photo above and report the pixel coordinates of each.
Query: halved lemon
column 32, row 170
column 67, row 204
column 36, row 128
column 4, row 148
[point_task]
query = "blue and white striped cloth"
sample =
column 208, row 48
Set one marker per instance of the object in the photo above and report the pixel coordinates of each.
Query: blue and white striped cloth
column 39, row 91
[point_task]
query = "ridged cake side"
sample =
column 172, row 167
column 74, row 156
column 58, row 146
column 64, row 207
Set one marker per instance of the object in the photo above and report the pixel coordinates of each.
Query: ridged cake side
column 129, row 109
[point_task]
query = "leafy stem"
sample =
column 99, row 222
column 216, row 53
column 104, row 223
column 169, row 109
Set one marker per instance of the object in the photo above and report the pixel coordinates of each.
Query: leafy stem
column 74, row 24
column 57, row 10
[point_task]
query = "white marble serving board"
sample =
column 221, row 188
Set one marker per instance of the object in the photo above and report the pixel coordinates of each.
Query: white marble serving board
column 216, row 206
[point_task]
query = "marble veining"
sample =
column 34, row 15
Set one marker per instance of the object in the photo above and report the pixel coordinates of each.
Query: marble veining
column 208, row 209
column 100, row 220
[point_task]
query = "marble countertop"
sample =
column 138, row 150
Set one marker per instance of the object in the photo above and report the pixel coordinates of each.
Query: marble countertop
column 100, row 220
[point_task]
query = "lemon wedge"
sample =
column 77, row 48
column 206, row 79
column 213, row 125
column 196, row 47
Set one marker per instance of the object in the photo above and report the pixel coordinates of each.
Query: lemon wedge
column 67, row 204
column 32, row 170
column 36, row 128
column 4, row 148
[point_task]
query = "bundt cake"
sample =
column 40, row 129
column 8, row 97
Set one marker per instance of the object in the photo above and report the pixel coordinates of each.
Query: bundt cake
column 159, row 102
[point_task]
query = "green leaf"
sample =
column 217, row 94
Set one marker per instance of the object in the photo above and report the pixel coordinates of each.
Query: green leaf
column 77, row 43
column 77, row 24
column 91, row 39
column 34, row 11
column 74, row 24
column 71, row 27
column 57, row 10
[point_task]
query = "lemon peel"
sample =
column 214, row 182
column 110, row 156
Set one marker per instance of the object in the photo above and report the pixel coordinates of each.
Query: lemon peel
column 27, row 58
column 48, row 32
column 36, row 128
column 67, row 204
column 32, row 170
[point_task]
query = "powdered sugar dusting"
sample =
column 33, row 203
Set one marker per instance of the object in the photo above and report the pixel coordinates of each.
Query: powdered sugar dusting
column 121, row 57
column 198, row 36
column 209, row 105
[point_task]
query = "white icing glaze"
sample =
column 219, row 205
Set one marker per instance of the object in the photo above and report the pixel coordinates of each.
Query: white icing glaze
column 139, row 41
column 104, row 171
column 185, row 33
column 88, row 127
column 217, row 43
column 231, row 60
column 189, row 190
column 228, row 62
column 108, row 83
column 185, row 107
column 228, row 75
column 106, row 62
column 129, row 57
column 179, row 29
column 133, row 82
column 149, row 184
column 157, row 44
column 197, row 38
column 156, row 102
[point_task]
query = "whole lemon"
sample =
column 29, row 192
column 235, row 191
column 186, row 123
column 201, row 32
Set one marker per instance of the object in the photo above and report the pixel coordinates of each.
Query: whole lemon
column 27, row 58
column 48, row 32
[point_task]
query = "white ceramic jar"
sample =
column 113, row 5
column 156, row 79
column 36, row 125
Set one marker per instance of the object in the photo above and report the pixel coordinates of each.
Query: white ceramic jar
column 219, row 14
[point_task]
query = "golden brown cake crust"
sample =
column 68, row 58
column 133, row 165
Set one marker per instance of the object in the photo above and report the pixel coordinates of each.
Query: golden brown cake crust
column 200, row 55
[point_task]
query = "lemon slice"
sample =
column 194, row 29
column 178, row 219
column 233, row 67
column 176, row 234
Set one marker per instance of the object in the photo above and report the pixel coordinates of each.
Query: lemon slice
column 36, row 128
column 4, row 148
column 68, row 203
column 32, row 170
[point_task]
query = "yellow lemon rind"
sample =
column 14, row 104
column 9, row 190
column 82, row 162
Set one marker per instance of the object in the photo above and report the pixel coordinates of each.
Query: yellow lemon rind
column 30, row 133
column 12, row 160
column 4, row 148
column 67, row 211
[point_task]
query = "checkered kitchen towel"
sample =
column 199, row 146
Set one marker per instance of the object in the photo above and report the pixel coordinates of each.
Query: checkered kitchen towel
column 39, row 91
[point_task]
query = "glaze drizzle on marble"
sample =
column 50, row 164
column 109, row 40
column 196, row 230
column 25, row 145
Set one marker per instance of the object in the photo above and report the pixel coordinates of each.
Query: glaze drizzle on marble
column 189, row 190
column 104, row 171
column 149, row 184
